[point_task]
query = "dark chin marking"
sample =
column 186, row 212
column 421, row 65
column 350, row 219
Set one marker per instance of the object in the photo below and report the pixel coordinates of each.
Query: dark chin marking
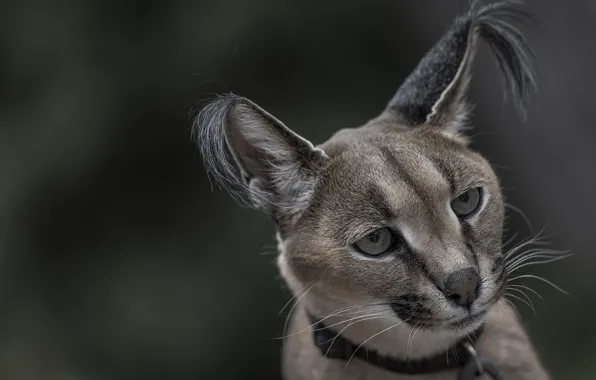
column 410, row 308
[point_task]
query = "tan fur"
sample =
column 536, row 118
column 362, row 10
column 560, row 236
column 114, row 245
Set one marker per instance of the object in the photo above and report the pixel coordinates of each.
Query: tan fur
column 317, row 262
column 400, row 172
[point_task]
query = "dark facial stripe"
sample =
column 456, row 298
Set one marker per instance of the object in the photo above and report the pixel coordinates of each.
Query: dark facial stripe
column 446, row 172
column 499, row 269
column 376, row 196
column 414, row 264
column 501, row 276
column 470, row 239
column 405, row 175
column 498, row 264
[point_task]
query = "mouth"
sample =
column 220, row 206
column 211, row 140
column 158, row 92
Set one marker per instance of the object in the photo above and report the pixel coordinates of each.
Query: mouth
column 468, row 320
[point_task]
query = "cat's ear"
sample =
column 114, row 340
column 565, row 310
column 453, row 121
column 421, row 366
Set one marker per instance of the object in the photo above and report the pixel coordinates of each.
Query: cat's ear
column 435, row 92
column 255, row 157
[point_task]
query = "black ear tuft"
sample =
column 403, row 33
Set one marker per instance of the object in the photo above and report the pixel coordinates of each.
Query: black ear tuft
column 434, row 93
column 510, row 48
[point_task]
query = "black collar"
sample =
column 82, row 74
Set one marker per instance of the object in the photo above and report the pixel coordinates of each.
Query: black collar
column 460, row 356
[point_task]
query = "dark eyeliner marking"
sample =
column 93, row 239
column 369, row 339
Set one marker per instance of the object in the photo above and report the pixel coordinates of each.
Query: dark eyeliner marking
column 374, row 195
column 470, row 239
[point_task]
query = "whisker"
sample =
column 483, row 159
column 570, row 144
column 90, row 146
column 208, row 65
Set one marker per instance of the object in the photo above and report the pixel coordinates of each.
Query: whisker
column 525, row 287
column 362, row 344
column 538, row 262
column 511, row 253
column 292, row 298
column 414, row 335
column 531, row 304
column 293, row 307
column 355, row 319
column 410, row 339
column 514, row 306
column 455, row 355
column 537, row 239
column 342, row 330
column 539, row 278
column 522, row 300
column 511, row 239
column 334, row 314
column 536, row 252
column 521, row 213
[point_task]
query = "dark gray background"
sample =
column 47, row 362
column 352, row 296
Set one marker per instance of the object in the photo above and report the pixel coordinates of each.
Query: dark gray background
column 118, row 261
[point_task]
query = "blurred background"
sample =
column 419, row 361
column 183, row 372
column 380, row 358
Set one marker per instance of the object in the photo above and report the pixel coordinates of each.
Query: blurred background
column 117, row 258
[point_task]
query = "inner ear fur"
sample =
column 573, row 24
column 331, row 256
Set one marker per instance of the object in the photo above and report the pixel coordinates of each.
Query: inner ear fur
column 255, row 157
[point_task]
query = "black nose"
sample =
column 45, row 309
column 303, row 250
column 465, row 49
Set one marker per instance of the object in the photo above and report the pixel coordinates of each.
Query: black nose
column 462, row 286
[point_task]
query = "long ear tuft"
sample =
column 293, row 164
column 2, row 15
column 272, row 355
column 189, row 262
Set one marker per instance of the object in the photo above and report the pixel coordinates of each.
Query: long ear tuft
column 256, row 158
column 209, row 135
column 434, row 93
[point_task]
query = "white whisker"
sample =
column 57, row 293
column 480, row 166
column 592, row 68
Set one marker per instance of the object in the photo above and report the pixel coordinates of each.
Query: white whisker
column 342, row 330
column 334, row 314
column 362, row 344
column 292, row 298
column 524, row 287
column 537, row 239
column 411, row 339
column 538, row 262
column 521, row 213
column 510, row 240
column 538, row 252
column 539, row 278
column 293, row 307
column 512, row 305
column 522, row 300
column 529, row 300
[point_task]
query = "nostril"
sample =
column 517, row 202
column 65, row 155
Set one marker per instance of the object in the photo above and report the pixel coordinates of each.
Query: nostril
column 462, row 286
column 455, row 298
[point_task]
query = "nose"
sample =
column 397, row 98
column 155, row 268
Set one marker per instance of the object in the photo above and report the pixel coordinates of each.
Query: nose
column 462, row 286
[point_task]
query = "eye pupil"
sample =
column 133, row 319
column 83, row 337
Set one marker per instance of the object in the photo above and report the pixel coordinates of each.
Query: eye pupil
column 377, row 242
column 373, row 237
column 467, row 203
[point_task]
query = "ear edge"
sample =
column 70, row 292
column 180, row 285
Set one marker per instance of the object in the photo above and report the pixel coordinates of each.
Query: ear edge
column 222, row 164
column 416, row 102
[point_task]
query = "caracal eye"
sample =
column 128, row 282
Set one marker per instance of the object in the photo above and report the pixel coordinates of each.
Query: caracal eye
column 376, row 243
column 467, row 203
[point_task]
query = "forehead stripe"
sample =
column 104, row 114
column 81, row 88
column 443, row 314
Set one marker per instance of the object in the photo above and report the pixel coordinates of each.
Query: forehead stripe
column 446, row 171
column 408, row 179
column 376, row 196
column 403, row 173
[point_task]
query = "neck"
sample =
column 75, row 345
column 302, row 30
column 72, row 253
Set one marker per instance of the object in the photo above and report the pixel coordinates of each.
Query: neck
column 378, row 329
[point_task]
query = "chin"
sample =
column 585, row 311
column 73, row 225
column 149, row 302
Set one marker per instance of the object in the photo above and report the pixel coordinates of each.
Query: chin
column 457, row 322
column 468, row 323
